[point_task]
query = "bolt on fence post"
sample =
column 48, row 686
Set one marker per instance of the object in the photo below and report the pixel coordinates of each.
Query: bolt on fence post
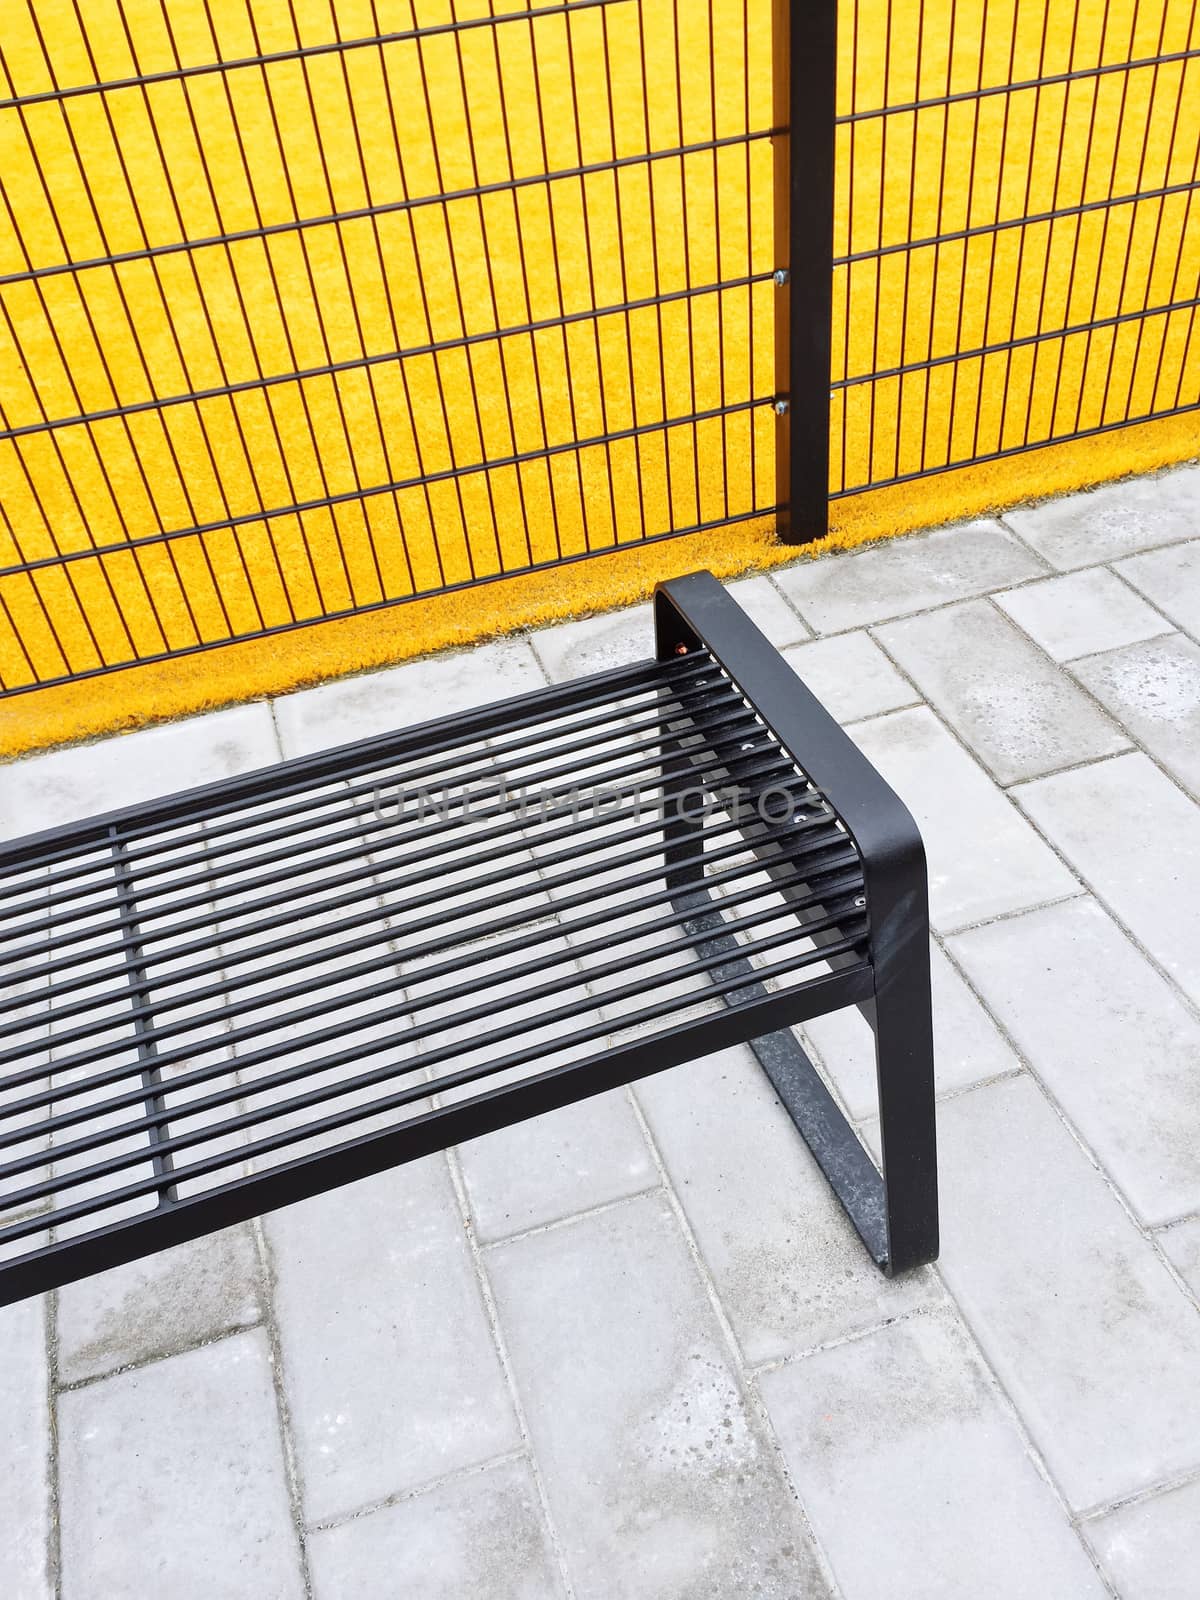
column 805, row 102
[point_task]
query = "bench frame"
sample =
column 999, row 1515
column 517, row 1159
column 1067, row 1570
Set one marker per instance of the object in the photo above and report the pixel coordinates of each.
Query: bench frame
column 895, row 1213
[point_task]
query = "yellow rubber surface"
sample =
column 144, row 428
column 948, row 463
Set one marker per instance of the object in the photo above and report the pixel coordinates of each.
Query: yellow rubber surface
column 142, row 168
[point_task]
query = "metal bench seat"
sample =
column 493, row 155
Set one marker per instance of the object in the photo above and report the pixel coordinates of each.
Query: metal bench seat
column 241, row 996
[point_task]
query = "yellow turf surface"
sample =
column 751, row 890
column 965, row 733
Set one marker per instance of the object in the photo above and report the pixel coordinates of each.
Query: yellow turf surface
column 144, row 167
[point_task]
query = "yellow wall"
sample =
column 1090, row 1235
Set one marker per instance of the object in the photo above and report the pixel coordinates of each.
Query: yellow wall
column 142, row 168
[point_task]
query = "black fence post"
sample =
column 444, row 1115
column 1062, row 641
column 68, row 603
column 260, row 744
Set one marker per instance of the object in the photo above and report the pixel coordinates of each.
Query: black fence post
column 805, row 55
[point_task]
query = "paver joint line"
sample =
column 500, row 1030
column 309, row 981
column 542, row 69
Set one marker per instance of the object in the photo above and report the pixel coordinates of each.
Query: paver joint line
column 415, row 1491
column 453, row 1159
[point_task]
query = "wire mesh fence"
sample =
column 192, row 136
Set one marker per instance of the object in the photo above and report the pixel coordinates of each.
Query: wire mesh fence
column 1017, row 255
column 311, row 308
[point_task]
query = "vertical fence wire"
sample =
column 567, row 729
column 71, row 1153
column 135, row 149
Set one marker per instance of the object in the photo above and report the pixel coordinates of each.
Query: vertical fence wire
column 1018, row 256
column 311, row 308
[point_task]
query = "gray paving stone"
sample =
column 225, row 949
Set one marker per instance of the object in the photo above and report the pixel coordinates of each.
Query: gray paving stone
column 172, row 1481
column 967, row 1046
column 554, row 1165
column 901, row 1431
column 1171, row 579
column 1153, row 690
column 551, row 1166
column 596, row 644
column 1021, row 715
column 391, row 1373
column 789, row 1268
column 851, row 676
column 1081, row 613
column 24, row 1453
column 159, row 1305
column 899, row 576
column 661, row 1482
column 379, row 702
column 1074, row 1311
column 1182, row 1247
column 481, row 1534
column 44, row 791
column 1136, row 839
column 984, row 858
column 1151, row 1550
column 501, row 998
column 1114, row 520
column 674, row 971
column 767, row 608
column 340, row 1006
column 1108, row 1036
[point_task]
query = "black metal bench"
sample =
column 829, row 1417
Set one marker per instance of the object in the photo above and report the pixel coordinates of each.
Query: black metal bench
column 241, row 996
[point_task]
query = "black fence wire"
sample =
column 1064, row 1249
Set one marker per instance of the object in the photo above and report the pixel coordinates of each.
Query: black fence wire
column 1017, row 258
column 311, row 308
column 301, row 322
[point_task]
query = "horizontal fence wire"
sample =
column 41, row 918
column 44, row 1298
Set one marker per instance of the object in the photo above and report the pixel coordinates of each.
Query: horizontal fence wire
column 310, row 309
column 1017, row 250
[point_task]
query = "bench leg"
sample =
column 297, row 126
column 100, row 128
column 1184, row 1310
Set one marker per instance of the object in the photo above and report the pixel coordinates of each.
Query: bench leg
column 903, row 1027
column 895, row 1214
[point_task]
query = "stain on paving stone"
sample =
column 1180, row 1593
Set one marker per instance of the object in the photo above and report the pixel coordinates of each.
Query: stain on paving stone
column 160, row 1305
column 1157, row 681
column 709, row 1465
column 946, row 1391
column 663, row 1481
